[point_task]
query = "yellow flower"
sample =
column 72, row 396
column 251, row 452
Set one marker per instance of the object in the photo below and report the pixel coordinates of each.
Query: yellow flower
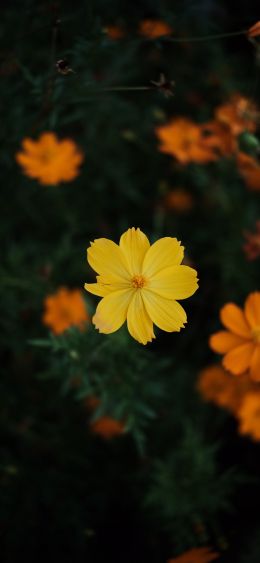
column 50, row 160
column 139, row 284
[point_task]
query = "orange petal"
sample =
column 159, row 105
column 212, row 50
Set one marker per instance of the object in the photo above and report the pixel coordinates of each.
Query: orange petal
column 255, row 364
column 223, row 341
column 233, row 318
column 254, row 30
column 252, row 309
column 239, row 359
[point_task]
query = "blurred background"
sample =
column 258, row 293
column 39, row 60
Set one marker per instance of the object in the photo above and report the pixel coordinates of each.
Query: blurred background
column 116, row 114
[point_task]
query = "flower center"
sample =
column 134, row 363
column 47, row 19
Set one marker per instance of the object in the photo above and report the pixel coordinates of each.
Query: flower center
column 47, row 156
column 256, row 334
column 138, row 282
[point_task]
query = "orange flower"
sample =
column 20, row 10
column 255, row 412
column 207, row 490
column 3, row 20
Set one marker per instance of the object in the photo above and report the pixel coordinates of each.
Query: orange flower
column 49, row 160
column 179, row 200
column 239, row 114
column 185, row 140
column 114, row 32
column 107, row 427
column 196, row 555
column 254, row 30
column 216, row 385
column 249, row 416
column 252, row 244
column 240, row 343
column 219, row 137
column 64, row 309
column 249, row 169
column 154, row 28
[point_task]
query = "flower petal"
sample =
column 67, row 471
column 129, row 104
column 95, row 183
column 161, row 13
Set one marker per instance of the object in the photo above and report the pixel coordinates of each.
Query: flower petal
column 177, row 282
column 139, row 323
column 105, row 257
column 238, row 360
column 223, row 341
column 255, row 364
column 164, row 253
column 166, row 314
column 112, row 310
column 234, row 319
column 134, row 245
column 252, row 309
column 97, row 289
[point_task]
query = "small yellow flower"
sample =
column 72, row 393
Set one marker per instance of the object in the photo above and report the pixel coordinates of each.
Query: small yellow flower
column 139, row 284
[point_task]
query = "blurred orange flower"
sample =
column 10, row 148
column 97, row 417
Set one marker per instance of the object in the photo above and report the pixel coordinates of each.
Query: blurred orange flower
column 178, row 200
column 249, row 416
column 252, row 244
column 249, row 169
column 49, row 160
column 196, row 555
column 254, row 30
column 154, row 28
column 185, row 140
column 107, row 427
column 239, row 113
column 218, row 136
column 114, row 32
column 64, row 309
column 219, row 387
column 240, row 343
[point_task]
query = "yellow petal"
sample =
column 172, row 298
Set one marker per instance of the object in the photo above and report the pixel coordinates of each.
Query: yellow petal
column 134, row 245
column 224, row 341
column 238, row 360
column 252, row 309
column 167, row 315
column 233, row 318
column 139, row 323
column 112, row 310
column 177, row 282
column 105, row 257
column 164, row 253
column 97, row 289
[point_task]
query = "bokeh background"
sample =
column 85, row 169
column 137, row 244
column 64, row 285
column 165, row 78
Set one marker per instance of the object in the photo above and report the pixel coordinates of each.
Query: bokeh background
column 111, row 451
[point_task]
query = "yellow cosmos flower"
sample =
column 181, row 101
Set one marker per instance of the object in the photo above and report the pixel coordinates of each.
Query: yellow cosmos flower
column 140, row 284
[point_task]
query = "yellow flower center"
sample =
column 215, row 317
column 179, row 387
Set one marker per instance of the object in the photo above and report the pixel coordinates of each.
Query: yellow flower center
column 138, row 282
column 256, row 334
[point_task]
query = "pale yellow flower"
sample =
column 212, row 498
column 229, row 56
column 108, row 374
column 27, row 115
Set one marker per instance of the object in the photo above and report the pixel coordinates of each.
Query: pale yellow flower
column 140, row 284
